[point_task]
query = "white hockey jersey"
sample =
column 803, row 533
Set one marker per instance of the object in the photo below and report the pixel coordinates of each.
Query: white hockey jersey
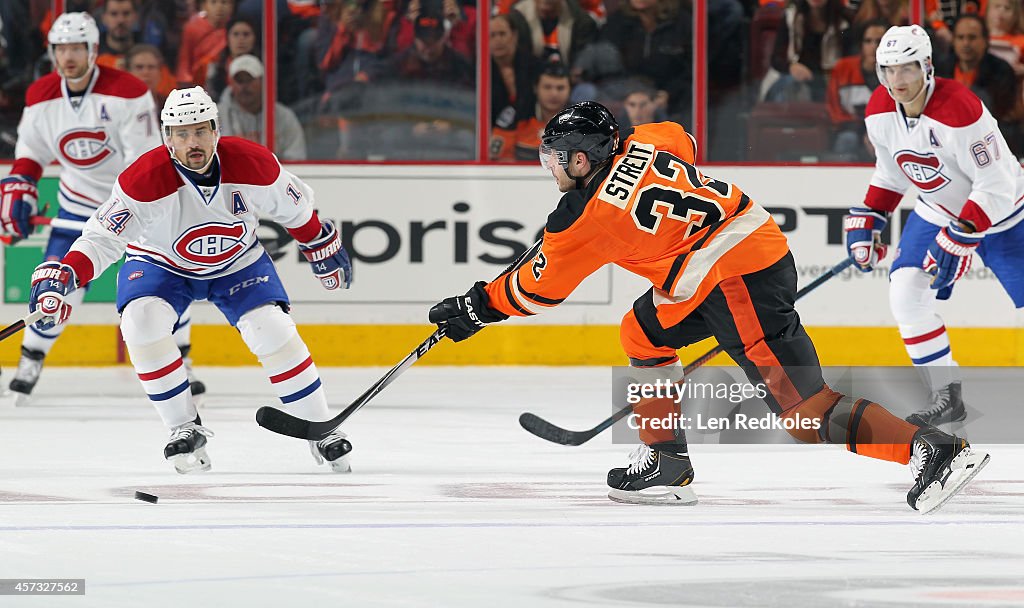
column 158, row 214
column 953, row 154
column 114, row 123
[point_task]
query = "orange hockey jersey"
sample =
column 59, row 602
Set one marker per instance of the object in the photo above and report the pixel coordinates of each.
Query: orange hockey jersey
column 651, row 212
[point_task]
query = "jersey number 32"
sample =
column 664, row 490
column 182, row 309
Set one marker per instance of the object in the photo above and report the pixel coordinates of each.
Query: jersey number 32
column 696, row 205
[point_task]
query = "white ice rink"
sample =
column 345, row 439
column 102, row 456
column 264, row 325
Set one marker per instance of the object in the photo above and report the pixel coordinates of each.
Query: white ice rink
column 452, row 504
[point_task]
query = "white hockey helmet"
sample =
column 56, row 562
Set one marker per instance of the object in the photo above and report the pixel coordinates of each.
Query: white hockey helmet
column 189, row 107
column 905, row 44
column 75, row 28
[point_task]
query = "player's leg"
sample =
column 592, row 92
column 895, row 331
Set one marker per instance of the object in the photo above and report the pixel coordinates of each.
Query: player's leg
column 36, row 343
column 150, row 301
column 183, row 338
column 660, row 470
column 754, row 319
column 913, row 304
column 254, row 301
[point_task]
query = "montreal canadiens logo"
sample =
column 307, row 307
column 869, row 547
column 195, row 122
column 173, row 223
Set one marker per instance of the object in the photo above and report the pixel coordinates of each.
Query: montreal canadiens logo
column 85, row 147
column 211, row 244
column 925, row 170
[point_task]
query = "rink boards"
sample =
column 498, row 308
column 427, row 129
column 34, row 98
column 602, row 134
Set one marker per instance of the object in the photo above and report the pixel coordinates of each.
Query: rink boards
column 418, row 234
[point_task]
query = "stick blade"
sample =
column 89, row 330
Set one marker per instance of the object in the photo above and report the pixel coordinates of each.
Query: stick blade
column 536, row 425
column 282, row 423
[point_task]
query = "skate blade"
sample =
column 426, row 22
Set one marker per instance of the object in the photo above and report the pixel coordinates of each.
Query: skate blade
column 658, row 495
column 341, row 465
column 20, row 399
column 197, row 461
column 966, row 466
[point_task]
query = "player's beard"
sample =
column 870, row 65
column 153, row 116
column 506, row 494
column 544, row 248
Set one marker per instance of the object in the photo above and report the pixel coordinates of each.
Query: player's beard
column 198, row 164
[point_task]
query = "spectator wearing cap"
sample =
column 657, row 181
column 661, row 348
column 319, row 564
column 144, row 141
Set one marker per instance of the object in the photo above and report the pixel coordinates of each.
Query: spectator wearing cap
column 241, row 111
column 431, row 58
column 431, row 91
column 146, row 62
column 461, row 18
column 519, row 141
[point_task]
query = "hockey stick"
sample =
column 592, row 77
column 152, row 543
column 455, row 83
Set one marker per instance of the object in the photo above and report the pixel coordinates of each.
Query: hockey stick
column 284, row 423
column 17, row 326
column 545, row 430
column 53, row 222
column 57, row 222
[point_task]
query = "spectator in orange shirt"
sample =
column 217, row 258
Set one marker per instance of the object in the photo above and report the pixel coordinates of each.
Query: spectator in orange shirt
column 1006, row 28
column 850, row 86
column 520, row 140
column 203, row 38
column 146, row 62
column 120, row 19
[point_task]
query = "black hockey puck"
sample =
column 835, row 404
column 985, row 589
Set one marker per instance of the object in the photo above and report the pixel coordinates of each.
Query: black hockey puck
column 145, row 497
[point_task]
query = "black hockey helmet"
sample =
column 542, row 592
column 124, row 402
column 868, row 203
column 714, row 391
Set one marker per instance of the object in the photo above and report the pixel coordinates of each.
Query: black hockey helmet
column 586, row 127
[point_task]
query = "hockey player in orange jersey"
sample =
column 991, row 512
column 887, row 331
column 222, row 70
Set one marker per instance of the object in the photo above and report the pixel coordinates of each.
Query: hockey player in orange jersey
column 718, row 266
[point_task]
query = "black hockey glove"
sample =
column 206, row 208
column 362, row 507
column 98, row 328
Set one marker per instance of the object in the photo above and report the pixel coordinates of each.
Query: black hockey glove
column 463, row 316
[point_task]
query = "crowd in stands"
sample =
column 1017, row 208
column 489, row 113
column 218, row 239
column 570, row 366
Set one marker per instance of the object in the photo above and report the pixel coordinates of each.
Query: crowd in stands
column 396, row 79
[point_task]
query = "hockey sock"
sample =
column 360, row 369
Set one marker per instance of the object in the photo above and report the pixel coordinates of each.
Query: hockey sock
column 864, row 426
column 271, row 335
column 658, row 417
column 164, row 379
column 658, row 421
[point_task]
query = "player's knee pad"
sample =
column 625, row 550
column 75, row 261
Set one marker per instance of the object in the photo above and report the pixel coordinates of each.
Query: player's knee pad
column 638, row 347
column 910, row 297
column 269, row 331
column 147, row 320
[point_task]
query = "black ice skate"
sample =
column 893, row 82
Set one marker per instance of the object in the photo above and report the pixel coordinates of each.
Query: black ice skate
column 947, row 407
column 196, row 385
column 942, row 465
column 29, row 367
column 186, row 448
column 333, row 449
column 654, row 476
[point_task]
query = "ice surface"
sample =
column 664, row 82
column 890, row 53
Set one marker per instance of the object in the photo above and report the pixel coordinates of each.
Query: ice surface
column 452, row 504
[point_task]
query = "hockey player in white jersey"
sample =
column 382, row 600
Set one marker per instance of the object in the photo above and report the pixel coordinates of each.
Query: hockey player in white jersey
column 936, row 135
column 187, row 213
column 94, row 121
